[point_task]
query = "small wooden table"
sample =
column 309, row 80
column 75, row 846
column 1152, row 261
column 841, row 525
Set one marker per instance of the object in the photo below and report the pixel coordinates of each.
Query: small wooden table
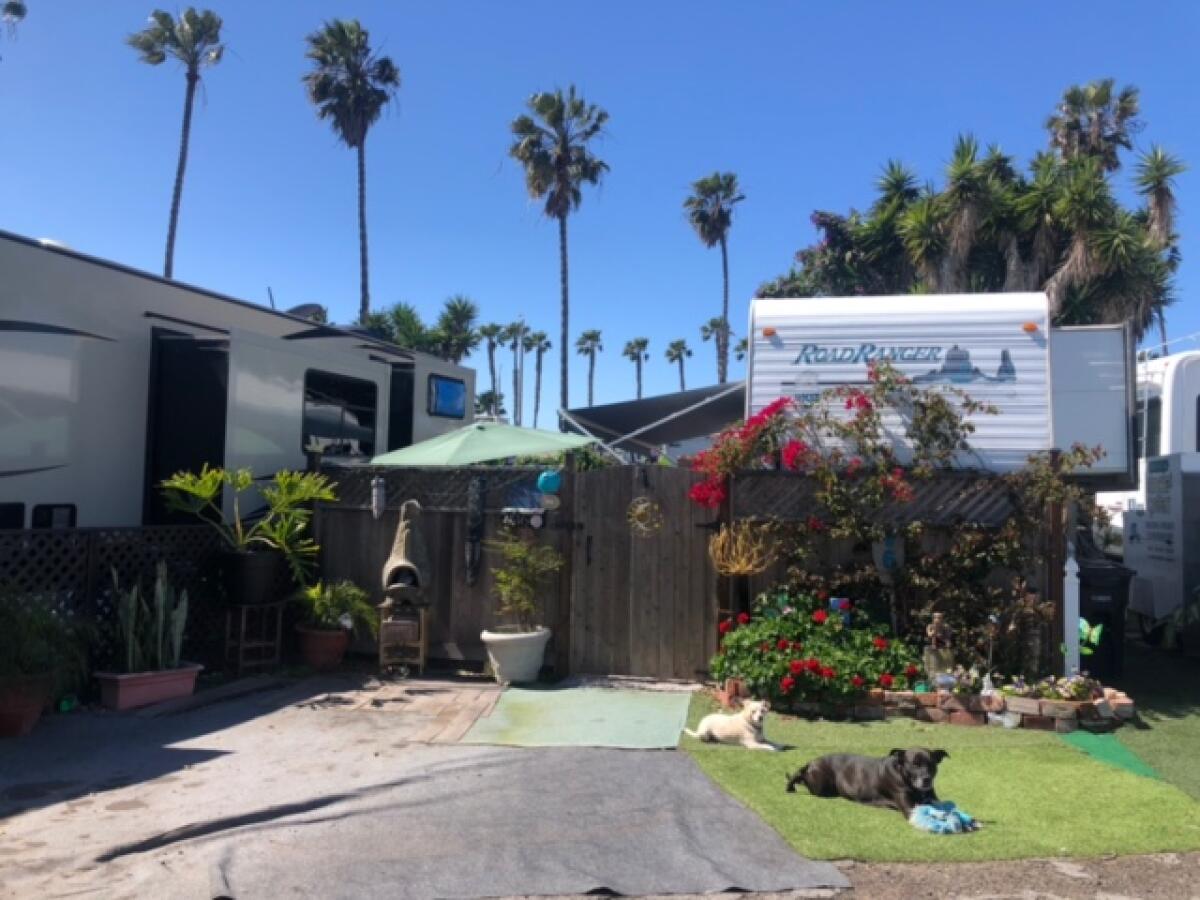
column 254, row 636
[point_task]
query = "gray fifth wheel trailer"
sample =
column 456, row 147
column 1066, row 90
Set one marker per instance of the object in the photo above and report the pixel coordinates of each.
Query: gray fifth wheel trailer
column 112, row 379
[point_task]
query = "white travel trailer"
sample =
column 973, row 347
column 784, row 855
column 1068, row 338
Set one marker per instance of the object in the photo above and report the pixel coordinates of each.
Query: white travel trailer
column 1052, row 387
column 112, row 379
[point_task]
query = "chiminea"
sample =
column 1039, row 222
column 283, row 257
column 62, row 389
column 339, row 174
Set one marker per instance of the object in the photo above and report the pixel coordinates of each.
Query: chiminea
column 403, row 625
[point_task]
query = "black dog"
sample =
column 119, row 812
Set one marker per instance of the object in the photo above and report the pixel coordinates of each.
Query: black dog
column 901, row 780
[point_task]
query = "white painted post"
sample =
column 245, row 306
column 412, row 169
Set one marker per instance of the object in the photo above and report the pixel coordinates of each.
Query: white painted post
column 1071, row 611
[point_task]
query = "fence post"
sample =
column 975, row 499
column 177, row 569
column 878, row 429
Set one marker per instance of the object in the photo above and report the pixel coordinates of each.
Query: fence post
column 1070, row 623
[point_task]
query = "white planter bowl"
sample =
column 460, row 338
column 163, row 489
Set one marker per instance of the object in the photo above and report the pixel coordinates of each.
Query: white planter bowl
column 516, row 656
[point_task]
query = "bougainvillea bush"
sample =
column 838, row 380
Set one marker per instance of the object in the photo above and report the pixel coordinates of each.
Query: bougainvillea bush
column 798, row 647
column 847, row 444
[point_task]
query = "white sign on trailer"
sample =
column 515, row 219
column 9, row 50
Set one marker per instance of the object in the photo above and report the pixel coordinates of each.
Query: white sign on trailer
column 994, row 347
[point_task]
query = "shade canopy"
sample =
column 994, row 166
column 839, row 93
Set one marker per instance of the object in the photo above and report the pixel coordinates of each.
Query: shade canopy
column 482, row 442
column 665, row 419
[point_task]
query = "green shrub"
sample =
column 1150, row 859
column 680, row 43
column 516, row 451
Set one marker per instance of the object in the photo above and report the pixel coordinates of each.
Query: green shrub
column 796, row 647
column 526, row 566
column 342, row 604
column 37, row 640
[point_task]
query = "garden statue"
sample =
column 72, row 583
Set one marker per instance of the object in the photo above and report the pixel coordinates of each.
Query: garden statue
column 407, row 567
column 939, row 658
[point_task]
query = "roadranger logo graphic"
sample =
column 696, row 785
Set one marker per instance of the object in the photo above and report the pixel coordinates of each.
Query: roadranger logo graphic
column 815, row 354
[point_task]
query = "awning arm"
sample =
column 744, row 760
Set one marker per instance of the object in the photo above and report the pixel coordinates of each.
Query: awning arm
column 681, row 412
column 563, row 414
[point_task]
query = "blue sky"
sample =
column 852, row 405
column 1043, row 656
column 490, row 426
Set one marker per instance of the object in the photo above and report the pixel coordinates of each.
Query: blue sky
column 803, row 100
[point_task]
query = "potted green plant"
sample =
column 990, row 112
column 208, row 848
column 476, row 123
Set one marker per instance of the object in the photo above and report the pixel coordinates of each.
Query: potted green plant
column 331, row 612
column 150, row 634
column 41, row 654
column 517, row 648
column 254, row 550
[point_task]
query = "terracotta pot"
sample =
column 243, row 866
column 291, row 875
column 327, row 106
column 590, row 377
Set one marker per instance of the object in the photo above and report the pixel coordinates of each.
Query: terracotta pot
column 516, row 656
column 22, row 700
column 322, row 648
column 134, row 689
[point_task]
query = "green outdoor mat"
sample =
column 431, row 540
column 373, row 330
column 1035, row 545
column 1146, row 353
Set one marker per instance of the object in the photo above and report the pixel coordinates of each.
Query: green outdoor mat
column 584, row 717
column 1107, row 749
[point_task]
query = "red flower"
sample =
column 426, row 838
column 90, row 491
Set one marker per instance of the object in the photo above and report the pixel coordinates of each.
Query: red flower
column 886, row 679
column 793, row 454
column 786, row 683
column 743, row 618
column 797, row 646
column 880, row 642
column 765, row 647
column 827, row 673
column 862, row 403
column 822, row 595
column 853, row 466
column 844, row 605
column 815, row 524
column 775, row 407
column 820, row 616
column 897, row 473
column 872, row 372
column 709, row 494
column 796, row 667
column 912, row 671
column 782, row 644
column 812, row 664
column 858, row 681
column 726, row 626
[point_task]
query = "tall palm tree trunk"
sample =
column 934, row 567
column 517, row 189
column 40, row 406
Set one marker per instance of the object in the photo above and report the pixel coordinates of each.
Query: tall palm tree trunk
column 364, row 301
column 723, row 336
column 492, row 371
column 638, row 365
column 591, row 376
column 193, row 78
column 563, row 331
column 537, row 388
column 516, row 413
column 682, row 386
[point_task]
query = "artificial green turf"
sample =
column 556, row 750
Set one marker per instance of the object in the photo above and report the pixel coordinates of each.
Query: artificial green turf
column 1035, row 795
column 1107, row 748
column 1165, row 687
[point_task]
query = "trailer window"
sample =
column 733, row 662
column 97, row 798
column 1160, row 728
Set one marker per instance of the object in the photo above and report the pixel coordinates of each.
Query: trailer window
column 12, row 515
column 447, row 397
column 53, row 515
column 339, row 414
column 1149, row 428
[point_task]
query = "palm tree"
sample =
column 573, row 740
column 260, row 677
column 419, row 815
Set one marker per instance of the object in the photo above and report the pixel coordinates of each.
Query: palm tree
column 677, row 352
column 514, row 336
column 455, row 330
column 350, row 85
column 194, row 39
column 402, row 325
column 553, row 146
column 492, row 335
column 589, row 344
column 1156, row 173
column 635, row 350
column 490, row 403
column 710, row 210
column 537, row 343
column 713, row 330
column 1093, row 121
column 965, row 200
column 741, row 349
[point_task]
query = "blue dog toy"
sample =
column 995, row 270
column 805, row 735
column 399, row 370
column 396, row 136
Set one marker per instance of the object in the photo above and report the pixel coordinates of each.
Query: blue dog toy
column 942, row 818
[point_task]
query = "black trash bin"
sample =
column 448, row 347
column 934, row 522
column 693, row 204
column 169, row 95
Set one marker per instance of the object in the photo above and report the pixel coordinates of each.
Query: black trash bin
column 1103, row 598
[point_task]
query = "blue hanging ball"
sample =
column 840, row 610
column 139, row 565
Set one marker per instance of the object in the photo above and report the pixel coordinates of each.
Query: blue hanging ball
column 549, row 482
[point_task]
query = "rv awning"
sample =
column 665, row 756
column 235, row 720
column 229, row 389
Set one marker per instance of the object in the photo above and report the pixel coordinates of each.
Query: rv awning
column 666, row 419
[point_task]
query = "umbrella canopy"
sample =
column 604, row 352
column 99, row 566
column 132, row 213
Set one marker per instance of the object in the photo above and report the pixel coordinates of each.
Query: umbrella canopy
column 481, row 442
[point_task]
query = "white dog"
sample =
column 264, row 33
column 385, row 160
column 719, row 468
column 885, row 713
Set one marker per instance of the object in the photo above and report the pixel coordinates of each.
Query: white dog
column 744, row 727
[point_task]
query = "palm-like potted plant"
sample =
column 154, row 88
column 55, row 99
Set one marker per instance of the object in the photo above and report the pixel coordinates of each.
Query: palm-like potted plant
column 331, row 612
column 150, row 632
column 254, row 548
column 41, row 654
column 517, row 648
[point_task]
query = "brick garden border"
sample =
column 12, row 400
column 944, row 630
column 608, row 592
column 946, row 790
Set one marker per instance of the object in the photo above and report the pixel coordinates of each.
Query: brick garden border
column 946, row 708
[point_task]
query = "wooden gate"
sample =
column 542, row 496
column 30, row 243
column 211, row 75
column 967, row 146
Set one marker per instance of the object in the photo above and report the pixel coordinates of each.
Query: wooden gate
column 641, row 604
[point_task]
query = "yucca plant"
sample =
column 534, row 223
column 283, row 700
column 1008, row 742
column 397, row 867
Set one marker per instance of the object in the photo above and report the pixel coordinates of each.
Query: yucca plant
column 151, row 632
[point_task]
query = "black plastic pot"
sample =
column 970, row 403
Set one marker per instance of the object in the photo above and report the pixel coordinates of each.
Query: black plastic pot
column 252, row 577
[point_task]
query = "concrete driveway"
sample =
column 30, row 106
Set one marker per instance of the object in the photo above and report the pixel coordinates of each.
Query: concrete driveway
column 317, row 790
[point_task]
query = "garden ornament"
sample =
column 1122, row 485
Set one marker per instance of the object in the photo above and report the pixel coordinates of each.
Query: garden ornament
column 938, row 657
column 407, row 567
column 474, row 544
column 378, row 497
column 645, row 516
column 549, row 481
column 741, row 548
column 888, row 555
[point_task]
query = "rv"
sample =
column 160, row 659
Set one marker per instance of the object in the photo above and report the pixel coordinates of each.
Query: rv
column 112, row 379
column 1052, row 387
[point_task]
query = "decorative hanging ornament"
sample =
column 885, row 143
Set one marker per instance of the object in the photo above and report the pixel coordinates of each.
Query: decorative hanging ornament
column 645, row 516
column 549, row 481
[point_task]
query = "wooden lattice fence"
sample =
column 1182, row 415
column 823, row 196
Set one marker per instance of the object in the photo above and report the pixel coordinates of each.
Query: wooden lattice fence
column 71, row 570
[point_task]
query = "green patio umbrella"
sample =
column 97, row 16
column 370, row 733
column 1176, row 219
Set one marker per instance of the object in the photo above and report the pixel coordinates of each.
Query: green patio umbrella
column 481, row 442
